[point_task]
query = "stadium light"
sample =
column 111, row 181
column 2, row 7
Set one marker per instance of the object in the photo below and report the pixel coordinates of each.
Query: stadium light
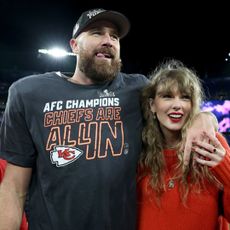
column 56, row 52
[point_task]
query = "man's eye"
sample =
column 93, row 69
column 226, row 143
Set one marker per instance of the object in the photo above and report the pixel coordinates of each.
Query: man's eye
column 96, row 32
column 114, row 36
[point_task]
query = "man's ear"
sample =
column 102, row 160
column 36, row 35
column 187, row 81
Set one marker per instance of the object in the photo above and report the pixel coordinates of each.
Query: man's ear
column 152, row 105
column 74, row 45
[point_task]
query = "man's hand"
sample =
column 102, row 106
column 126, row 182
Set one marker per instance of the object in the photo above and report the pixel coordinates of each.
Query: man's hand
column 204, row 122
column 211, row 153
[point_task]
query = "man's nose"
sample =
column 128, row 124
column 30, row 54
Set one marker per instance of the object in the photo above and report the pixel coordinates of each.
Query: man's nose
column 107, row 40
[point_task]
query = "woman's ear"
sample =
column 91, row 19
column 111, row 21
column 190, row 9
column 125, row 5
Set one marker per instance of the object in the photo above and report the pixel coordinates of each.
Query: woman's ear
column 152, row 105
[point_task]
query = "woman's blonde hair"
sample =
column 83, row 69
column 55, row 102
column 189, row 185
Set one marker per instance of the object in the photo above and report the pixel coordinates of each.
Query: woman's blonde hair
column 171, row 75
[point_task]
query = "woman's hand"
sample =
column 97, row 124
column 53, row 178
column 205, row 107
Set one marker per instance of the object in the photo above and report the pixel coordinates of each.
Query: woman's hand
column 211, row 153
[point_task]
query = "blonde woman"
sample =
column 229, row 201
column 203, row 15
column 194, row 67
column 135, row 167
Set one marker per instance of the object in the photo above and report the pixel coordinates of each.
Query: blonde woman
column 171, row 196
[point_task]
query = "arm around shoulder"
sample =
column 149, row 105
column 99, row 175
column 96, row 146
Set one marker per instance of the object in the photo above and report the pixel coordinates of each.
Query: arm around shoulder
column 202, row 122
column 13, row 190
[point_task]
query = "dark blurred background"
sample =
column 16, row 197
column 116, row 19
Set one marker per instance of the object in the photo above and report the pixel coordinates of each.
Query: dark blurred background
column 195, row 33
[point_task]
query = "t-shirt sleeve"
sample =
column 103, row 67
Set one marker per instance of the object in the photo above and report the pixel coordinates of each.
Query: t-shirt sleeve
column 16, row 145
column 145, row 80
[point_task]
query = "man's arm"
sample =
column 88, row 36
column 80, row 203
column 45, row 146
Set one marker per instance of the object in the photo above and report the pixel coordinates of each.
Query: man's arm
column 13, row 190
column 203, row 122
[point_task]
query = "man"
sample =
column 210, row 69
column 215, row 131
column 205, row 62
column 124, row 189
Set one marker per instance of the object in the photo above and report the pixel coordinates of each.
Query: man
column 74, row 142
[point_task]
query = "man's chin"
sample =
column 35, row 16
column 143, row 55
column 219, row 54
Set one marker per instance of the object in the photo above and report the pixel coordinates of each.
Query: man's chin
column 104, row 62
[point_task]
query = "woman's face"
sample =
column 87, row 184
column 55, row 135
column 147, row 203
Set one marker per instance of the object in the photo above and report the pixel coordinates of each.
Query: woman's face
column 172, row 110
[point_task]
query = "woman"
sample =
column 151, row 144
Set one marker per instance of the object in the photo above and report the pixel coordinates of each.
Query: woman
column 169, row 195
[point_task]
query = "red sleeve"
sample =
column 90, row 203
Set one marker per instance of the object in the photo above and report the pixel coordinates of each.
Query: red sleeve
column 2, row 168
column 223, row 223
column 222, row 140
column 222, row 173
column 24, row 225
column 226, row 203
column 222, row 170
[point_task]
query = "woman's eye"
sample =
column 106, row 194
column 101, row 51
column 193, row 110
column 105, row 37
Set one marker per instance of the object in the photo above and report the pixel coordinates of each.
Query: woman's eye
column 186, row 97
column 166, row 96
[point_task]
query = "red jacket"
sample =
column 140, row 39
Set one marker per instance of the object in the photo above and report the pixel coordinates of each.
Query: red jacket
column 202, row 210
column 24, row 225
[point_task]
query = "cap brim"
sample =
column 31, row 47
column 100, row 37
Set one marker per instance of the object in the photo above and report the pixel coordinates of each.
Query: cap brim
column 119, row 20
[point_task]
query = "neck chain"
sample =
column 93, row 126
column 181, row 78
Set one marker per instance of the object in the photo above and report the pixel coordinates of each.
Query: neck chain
column 171, row 183
column 171, row 180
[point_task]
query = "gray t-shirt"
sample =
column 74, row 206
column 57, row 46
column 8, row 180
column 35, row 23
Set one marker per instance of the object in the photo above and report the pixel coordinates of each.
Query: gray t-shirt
column 82, row 142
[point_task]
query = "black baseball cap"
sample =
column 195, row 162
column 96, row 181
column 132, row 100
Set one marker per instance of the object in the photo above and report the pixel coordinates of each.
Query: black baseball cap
column 90, row 16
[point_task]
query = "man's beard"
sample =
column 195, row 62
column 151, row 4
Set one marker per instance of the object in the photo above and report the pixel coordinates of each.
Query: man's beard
column 96, row 70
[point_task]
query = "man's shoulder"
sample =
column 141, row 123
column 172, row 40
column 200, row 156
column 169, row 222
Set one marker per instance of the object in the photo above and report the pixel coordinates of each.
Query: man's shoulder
column 34, row 80
column 134, row 78
column 35, row 77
